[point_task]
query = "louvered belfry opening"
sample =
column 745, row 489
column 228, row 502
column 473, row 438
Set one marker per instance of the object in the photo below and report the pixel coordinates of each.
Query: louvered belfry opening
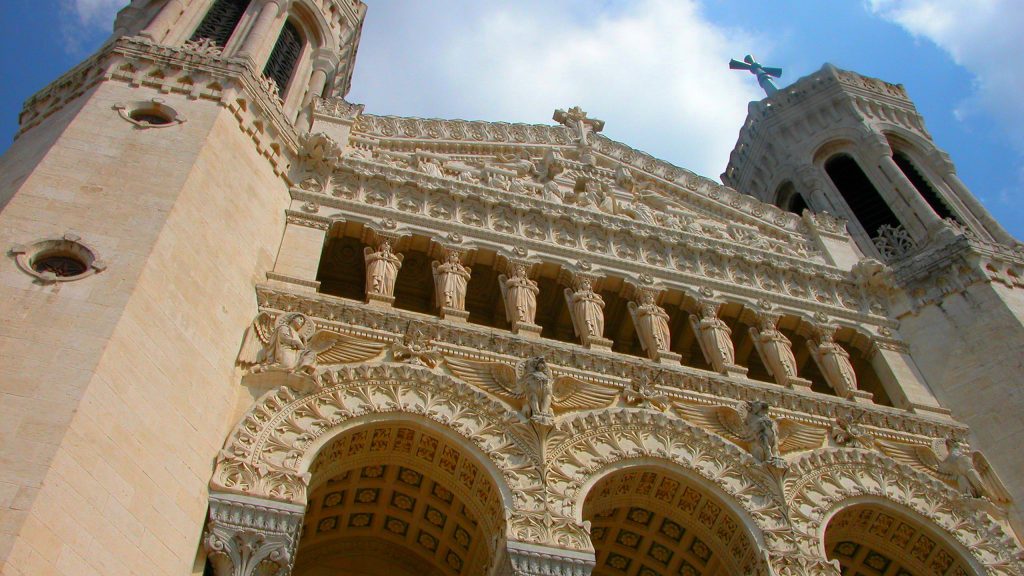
column 221, row 20
column 285, row 56
column 923, row 187
column 860, row 194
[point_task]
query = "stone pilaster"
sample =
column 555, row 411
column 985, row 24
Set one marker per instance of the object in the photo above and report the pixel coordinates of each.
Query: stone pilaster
column 248, row 536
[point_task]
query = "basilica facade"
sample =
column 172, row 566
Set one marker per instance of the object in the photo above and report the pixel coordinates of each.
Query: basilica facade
column 251, row 329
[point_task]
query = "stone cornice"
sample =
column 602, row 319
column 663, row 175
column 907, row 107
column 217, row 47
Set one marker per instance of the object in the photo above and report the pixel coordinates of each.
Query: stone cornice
column 607, row 368
column 191, row 71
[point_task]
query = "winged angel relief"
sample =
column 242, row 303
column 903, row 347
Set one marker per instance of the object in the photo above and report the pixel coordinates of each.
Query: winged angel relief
column 953, row 462
column 531, row 386
column 291, row 344
column 751, row 426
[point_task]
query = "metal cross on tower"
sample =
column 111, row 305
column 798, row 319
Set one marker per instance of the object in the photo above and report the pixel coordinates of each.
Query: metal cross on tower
column 577, row 120
column 764, row 74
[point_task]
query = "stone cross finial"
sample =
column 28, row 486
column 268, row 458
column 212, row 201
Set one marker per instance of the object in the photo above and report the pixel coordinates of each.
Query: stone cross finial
column 576, row 119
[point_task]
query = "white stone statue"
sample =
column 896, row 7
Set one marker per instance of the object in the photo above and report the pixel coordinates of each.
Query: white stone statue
column 520, row 295
column 450, row 281
column 292, row 344
column 750, row 425
column 382, row 267
column 537, row 385
column 651, row 323
column 587, row 310
column 762, row 432
column 775, row 349
column 714, row 337
column 835, row 363
column 955, row 462
column 430, row 166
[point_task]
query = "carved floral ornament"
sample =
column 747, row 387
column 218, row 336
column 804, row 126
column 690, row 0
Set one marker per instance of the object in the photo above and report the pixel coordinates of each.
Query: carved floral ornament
column 544, row 468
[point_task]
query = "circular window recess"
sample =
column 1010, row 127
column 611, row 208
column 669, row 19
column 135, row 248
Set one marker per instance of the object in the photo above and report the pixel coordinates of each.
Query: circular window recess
column 149, row 113
column 58, row 259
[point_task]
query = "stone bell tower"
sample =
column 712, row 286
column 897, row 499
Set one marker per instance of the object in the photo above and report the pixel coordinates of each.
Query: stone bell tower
column 144, row 195
column 857, row 148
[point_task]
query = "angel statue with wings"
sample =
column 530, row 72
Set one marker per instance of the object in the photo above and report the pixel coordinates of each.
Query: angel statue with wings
column 291, row 344
column 532, row 388
column 955, row 462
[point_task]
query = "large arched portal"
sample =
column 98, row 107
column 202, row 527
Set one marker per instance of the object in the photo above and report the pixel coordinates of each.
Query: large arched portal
column 398, row 498
column 649, row 521
column 875, row 541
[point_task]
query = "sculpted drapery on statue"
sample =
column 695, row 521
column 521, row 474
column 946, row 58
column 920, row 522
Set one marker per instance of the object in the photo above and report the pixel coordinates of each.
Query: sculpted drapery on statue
column 450, row 281
column 714, row 337
column 834, row 362
column 382, row 267
column 587, row 310
column 776, row 350
column 651, row 323
column 287, row 348
column 520, row 295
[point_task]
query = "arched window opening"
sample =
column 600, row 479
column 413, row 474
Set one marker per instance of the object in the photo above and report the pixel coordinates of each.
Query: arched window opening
column 220, row 22
column 552, row 310
column 414, row 285
column 860, row 194
column 285, row 56
column 868, row 539
column 923, row 187
column 342, row 270
column 788, row 199
column 483, row 293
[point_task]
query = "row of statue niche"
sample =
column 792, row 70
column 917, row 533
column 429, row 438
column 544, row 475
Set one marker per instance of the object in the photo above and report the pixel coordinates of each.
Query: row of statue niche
column 624, row 196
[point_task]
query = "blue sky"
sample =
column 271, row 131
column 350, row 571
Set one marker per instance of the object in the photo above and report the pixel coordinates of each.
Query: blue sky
column 654, row 70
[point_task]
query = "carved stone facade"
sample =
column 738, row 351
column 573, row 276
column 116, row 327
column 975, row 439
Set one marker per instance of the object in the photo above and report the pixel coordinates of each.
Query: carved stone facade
column 486, row 348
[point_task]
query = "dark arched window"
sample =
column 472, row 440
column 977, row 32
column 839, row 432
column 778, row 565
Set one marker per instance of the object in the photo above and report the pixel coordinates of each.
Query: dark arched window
column 923, row 187
column 860, row 194
column 789, row 199
column 285, row 56
column 221, row 21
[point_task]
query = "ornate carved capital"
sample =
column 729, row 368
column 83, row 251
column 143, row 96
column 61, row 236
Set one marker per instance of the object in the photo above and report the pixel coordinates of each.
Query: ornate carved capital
column 535, row 560
column 248, row 536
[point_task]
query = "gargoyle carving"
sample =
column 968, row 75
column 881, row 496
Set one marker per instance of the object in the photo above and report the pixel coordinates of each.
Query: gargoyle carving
column 954, row 462
column 752, row 427
column 530, row 385
column 292, row 344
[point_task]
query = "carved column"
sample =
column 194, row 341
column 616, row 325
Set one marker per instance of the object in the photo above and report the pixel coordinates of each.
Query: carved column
column 261, row 35
column 776, row 351
column 651, row 324
column 451, row 278
column 921, row 218
column 247, row 536
column 382, row 266
column 520, row 295
column 587, row 310
column 528, row 559
column 323, row 64
column 834, row 363
column 714, row 337
column 161, row 24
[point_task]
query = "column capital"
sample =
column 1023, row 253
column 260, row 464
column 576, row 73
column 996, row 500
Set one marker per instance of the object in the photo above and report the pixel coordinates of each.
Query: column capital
column 247, row 536
column 527, row 559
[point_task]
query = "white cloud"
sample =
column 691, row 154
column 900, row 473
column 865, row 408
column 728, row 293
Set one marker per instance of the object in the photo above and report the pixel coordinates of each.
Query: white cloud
column 983, row 36
column 655, row 70
column 83, row 20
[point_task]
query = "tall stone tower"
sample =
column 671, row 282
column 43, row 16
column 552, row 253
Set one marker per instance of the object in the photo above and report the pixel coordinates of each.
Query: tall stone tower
column 252, row 330
column 143, row 196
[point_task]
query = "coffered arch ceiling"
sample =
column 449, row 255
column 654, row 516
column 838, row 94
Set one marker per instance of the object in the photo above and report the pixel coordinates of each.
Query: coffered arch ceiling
column 647, row 521
column 396, row 498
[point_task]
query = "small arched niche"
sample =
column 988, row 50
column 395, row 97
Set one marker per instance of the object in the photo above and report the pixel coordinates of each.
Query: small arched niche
column 877, row 540
column 399, row 498
column 652, row 521
column 788, row 199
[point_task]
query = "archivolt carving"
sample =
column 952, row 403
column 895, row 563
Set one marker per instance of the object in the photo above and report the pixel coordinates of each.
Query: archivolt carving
column 269, row 452
column 821, row 482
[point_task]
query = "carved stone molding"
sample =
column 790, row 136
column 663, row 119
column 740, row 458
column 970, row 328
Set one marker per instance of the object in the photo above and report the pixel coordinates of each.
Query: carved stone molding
column 527, row 559
column 248, row 536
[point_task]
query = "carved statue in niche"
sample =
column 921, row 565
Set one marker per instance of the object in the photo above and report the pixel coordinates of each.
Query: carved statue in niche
column 714, row 337
column 587, row 310
column 520, row 295
column 953, row 461
column 834, row 362
column 651, row 323
column 450, row 281
column 775, row 349
column 292, row 344
column 382, row 268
